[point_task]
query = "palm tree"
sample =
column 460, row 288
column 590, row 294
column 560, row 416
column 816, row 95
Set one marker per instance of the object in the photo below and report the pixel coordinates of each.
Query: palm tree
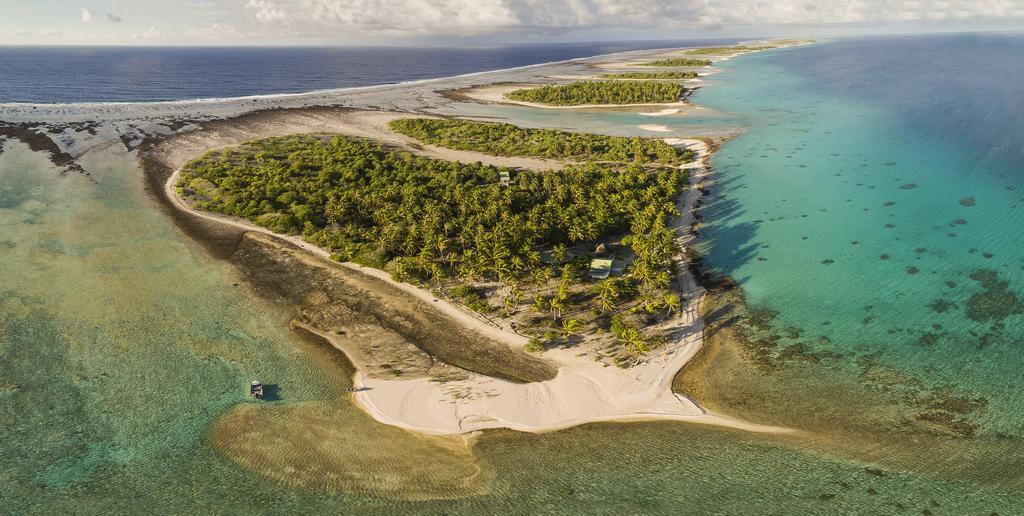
column 634, row 343
column 541, row 275
column 607, row 292
column 512, row 300
column 558, row 253
column 557, row 305
column 672, row 302
column 652, row 303
column 576, row 232
column 572, row 327
column 540, row 304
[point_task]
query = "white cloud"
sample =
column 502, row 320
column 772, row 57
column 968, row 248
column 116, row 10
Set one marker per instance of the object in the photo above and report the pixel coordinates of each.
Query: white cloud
column 51, row 33
column 266, row 11
column 448, row 17
column 90, row 15
column 215, row 31
column 152, row 34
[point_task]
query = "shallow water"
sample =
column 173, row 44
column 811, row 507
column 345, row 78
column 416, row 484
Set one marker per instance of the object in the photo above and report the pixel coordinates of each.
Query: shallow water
column 125, row 350
column 873, row 201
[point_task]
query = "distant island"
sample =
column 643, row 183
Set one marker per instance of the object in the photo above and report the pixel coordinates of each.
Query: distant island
column 676, row 61
column 601, row 92
column 651, row 75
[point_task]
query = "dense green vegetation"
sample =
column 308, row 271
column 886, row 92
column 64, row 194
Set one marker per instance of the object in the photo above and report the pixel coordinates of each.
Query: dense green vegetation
column 501, row 139
column 602, row 92
column 651, row 75
column 725, row 50
column 431, row 219
column 678, row 61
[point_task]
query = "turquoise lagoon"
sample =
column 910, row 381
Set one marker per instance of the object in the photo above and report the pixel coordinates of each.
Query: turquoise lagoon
column 876, row 200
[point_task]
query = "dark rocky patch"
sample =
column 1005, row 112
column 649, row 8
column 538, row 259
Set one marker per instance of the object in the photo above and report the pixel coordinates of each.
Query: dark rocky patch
column 967, row 201
column 40, row 142
column 942, row 306
column 987, row 340
column 958, row 426
column 761, row 318
column 828, row 261
column 927, row 340
column 913, row 270
column 996, row 301
column 908, row 186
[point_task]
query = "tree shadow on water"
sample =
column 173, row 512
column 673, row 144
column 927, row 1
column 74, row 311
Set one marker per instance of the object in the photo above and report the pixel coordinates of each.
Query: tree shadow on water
column 733, row 244
column 720, row 318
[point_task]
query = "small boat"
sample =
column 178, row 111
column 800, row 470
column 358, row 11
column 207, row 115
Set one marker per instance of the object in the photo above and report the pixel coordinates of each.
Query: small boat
column 352, row 389
column 256, row 389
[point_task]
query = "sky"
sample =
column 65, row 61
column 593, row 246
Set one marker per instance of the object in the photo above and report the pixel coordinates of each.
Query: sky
column 408, row 22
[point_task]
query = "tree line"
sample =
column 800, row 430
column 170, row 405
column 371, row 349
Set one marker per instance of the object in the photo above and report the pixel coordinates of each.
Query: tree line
column 690, row 74
column 501, row 139
column 725, row 50
column 601, row 92
column 432, row 219
column 678, row 61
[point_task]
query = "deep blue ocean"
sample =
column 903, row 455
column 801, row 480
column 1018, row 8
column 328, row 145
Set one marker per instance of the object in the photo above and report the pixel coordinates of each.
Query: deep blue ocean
column 124, row 74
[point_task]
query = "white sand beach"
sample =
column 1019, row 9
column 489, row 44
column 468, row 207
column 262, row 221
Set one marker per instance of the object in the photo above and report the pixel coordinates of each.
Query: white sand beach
column 655, row 128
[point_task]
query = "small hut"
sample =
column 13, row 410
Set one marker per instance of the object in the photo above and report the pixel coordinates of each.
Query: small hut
column 600, row 268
